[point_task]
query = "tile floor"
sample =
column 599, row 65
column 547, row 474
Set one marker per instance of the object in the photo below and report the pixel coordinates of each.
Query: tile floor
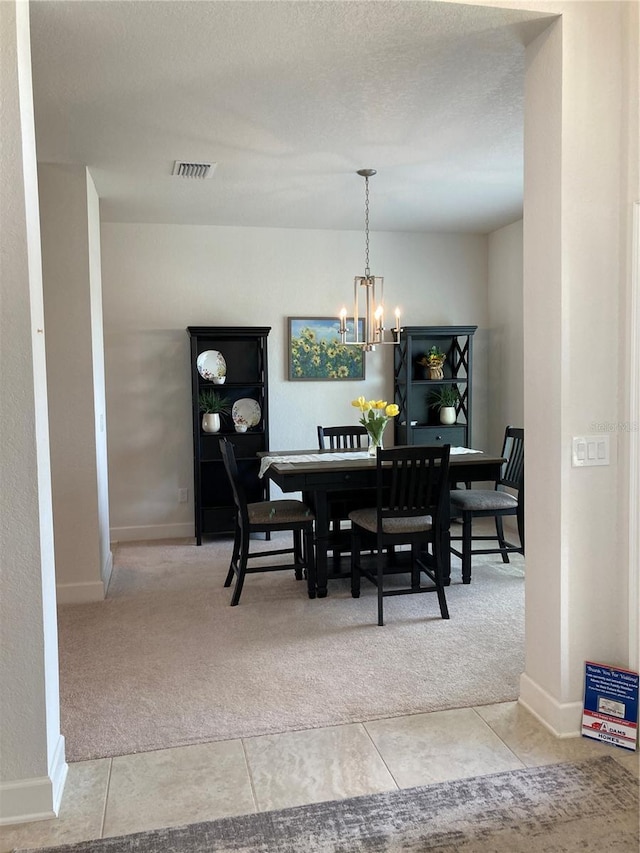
column 130, row 793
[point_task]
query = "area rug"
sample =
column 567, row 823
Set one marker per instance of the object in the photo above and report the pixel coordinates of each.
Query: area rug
column 164, row 661
column 589, row 807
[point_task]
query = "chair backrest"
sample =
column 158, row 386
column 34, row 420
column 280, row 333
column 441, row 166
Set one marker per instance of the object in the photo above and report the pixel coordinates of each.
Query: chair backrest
column 412, row 481
column 512, row 474
column 334, row 438
column 231, row 466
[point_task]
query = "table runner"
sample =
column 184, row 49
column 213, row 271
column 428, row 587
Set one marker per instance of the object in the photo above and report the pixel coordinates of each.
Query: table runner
column 349, row 456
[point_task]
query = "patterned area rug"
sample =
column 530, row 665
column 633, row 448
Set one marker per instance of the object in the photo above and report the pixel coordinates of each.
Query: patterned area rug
column 589, row 807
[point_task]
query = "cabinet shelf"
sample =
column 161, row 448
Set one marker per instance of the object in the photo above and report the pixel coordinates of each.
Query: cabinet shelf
column 245, row 352
column 412, row 391
column 204, row 383
column 456, row 380
column 226, row 433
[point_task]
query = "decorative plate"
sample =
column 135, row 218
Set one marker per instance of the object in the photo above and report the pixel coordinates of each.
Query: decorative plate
column 246, row 411
column 211, row 364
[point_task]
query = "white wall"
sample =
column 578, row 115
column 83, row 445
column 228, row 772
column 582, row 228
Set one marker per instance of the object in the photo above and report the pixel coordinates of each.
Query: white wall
column 105, row 558
column 506, row 345
column 33, row 768
column 157, row 280
column 73, row 311
column 575, row 238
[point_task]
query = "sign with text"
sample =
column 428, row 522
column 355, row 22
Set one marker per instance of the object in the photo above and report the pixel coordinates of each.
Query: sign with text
column 610, row 705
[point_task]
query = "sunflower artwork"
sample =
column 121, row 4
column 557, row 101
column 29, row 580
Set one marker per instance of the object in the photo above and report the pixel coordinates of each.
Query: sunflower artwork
column 317, row 353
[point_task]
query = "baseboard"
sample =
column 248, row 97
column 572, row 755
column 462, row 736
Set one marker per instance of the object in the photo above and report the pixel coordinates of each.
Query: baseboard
column 563, row 720
column 107, row 569
column 80, row 593
column 181, row 530
column 86, row 591
column 35, row 799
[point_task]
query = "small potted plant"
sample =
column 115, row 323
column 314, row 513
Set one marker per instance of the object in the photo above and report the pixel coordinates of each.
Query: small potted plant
column 212, row 405
column 445, row 400
column 432, row 363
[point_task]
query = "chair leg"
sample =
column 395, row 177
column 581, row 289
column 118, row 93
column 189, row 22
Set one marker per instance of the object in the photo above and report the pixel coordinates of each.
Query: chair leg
column 355, row 565
column 415, row 568
column 442, row 601
column 501, row 540
column 310, row 560
column 466, row 547
column 241, row 568
column 380, row 579
column 437, row 571
column 298, row 559
column 520, row 520
column 234, row 556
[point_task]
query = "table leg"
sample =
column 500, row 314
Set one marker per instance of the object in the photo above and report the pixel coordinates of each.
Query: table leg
column 320, row 505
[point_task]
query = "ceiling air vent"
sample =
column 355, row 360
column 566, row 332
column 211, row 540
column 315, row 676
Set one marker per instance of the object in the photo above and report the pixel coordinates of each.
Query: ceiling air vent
column 193, row 170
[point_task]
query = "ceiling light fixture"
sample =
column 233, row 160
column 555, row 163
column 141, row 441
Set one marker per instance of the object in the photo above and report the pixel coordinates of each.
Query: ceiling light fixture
column 373, row 331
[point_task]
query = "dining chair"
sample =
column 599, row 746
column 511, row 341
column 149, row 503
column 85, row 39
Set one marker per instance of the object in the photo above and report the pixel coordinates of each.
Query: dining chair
column 340, row 503
column 267, row 517
column 468, row 504
column 412, row 490
column 335, row 438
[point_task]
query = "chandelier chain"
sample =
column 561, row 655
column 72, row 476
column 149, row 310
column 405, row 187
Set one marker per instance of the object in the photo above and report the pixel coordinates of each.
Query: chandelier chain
column 367, row 271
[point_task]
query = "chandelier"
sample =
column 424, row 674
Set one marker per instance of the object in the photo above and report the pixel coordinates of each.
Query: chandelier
column 372, row 332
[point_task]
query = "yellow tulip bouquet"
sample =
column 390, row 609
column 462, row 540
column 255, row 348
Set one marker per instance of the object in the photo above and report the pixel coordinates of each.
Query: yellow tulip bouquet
column 376, row 414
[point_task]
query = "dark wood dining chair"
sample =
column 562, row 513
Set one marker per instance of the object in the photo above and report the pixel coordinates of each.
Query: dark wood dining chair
column 340, row 504
column 335, row 438
column 267, row 517
column 468, row 504
column 412, row 491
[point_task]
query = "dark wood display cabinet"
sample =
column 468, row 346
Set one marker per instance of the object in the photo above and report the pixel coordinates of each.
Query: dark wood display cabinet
column 417, row 422
column 244, row 351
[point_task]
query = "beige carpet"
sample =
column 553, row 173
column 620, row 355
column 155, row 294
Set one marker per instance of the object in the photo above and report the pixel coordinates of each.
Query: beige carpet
column 165, row 661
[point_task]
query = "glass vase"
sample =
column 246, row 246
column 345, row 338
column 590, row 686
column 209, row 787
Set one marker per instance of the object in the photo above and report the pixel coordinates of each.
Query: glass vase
column 375, row 442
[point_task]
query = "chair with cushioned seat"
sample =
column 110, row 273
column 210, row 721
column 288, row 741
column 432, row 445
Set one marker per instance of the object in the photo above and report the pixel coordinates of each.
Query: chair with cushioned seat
column 267, row 517
column 412, row 490
column 468, row 504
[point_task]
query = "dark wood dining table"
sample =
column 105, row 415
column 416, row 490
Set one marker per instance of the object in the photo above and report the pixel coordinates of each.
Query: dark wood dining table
column 316, row 478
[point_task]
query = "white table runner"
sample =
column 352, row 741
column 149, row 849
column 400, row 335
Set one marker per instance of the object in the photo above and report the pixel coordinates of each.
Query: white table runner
column 312, row 457
column 350, row 456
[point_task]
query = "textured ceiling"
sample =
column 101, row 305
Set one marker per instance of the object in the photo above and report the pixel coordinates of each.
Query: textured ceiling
column 289, row 99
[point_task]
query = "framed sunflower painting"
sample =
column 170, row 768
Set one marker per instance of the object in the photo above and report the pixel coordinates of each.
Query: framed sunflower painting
column 317, row 353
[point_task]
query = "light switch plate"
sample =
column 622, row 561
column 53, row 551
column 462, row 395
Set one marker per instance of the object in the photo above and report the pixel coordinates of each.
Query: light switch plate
column 590, row 450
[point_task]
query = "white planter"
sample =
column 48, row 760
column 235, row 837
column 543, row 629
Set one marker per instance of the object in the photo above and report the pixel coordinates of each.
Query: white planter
column 448, row 415
column 211, row 422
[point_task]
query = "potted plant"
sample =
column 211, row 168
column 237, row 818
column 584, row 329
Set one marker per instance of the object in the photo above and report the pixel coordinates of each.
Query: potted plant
column 445, row 400
column 212, row 405
column 432, row 363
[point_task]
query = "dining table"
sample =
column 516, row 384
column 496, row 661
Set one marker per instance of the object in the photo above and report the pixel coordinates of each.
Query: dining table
column 318, row 473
